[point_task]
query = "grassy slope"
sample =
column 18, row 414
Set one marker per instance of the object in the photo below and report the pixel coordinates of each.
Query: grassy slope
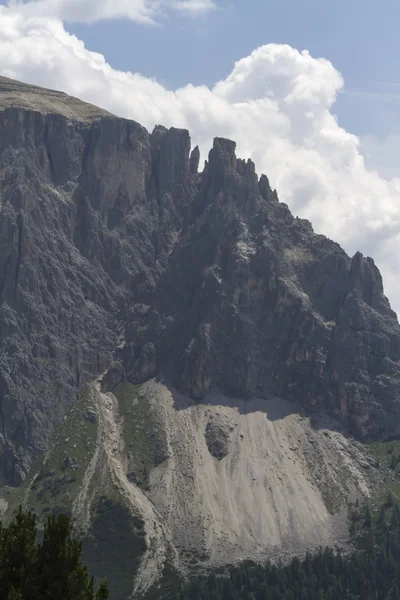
column 53, row 486
column 388, row 455
column 55, row 479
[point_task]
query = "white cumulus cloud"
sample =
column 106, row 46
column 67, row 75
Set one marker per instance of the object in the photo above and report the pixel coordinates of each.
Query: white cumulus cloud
column 193, row 7
column 89, row 11
column 277, row 103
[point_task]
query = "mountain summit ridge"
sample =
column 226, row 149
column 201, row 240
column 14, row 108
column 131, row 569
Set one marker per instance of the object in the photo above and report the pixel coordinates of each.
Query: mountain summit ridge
column 109, row 231
column 16, row 94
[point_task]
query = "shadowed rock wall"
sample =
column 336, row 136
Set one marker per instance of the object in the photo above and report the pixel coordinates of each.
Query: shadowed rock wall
column 114, row 250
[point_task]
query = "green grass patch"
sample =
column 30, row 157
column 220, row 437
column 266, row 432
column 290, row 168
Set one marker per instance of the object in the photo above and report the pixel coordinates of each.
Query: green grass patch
column 55, row 478
column 388, row 456
column 145, row 443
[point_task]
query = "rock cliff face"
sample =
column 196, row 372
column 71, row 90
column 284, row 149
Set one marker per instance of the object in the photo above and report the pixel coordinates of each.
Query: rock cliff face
column 118, row 257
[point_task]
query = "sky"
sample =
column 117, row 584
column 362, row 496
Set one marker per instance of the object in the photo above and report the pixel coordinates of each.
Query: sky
column 360, row 37
column 309, row 90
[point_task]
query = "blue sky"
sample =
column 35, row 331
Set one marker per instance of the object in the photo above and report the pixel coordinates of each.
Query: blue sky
column 360, row 37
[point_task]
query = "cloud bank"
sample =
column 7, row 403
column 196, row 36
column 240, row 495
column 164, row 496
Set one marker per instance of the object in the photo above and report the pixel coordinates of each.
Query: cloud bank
column 276, row 103
column 89, row 11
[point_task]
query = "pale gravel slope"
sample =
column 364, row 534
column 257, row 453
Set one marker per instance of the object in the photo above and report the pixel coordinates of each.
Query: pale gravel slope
column 266, row 496
column 269, row 495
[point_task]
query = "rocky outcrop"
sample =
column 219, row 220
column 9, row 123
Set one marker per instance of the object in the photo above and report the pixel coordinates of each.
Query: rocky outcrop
column 115, row 253
column 91, row 207
column 254, row 303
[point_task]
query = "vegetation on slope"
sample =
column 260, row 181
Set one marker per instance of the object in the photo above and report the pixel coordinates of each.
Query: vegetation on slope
column 370, row 572
column 107, row 445
column 55, row 480
column 388, row 456
column 48, row 570
column 75, row 478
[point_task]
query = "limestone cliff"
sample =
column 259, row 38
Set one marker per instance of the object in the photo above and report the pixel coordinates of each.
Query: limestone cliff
column 229, row 362
column 116, row 252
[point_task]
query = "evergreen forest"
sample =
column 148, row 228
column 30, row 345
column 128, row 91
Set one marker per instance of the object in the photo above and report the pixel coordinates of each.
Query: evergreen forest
column 46, row 570
column 371, row 571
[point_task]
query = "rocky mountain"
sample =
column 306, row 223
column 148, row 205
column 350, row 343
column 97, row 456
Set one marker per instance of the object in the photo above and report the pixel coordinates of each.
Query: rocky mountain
column 213, row 354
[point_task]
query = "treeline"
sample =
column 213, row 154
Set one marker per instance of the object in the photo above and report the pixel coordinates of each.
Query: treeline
column 49, row 570
column 372, row 572
column 52, row 569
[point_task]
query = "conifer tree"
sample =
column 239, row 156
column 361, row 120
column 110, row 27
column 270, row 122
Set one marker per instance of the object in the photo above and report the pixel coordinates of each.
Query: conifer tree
column 51, row 570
